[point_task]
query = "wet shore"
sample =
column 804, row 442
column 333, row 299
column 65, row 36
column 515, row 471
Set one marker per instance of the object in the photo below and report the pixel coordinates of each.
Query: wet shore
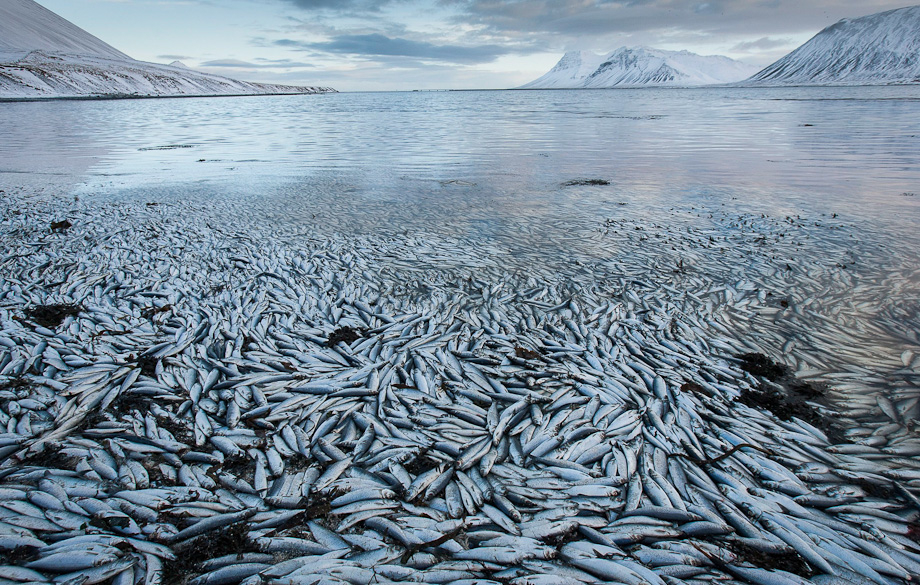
column 194, row 393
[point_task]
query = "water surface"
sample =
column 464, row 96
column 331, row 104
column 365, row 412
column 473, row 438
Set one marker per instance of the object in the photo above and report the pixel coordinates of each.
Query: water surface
column 824, row 149
column 839, row 166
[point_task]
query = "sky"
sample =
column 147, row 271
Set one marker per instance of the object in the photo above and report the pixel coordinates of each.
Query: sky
column 373, row 45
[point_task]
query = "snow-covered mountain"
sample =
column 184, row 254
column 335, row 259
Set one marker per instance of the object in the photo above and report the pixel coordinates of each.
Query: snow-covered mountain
column 43, row 56
column 28, row 26
column 882, row 48
column 641, row 66
column 570, row 71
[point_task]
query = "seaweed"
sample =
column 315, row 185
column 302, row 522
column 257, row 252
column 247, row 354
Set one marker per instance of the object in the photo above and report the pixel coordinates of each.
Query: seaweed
column 60, row 226
column 15, row 383
column 792, row 401
column 346, row 334
column 770, row 399
column 319, row 505
column 51, row 316
column 49, row 459
column 559, row 540
column 239, row 466
column 147, row 364
column 19, row 555
column 788, row 397
column 233, row 539
column 125, row 403
column 586, row 182
column 695, row 388
column 449, row 535
column 760, row 365
column 526, row 354
column 875, row 490
column 182, row 434
column 421, row 464
column 791, row 562
column 150, row 312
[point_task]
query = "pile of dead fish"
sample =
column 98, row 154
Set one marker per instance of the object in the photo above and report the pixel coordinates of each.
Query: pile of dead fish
column 184, row 403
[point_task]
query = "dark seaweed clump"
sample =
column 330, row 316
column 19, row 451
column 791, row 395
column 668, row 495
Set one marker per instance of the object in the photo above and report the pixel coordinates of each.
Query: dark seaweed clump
column 760, row 365
column 791, row 562
column 586, row 182
column 19, row 555
column 147, row 364
column 346, row 334
column 233, row 539
column 60, row 226
column 526, row 354
column 788, row 396
column 48, row 459
column 51, row 316
column 17, row 383
column 421, row 464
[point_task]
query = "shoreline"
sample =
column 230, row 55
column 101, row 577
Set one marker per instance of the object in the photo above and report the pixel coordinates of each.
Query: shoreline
column 318, row 91
column 386, row 407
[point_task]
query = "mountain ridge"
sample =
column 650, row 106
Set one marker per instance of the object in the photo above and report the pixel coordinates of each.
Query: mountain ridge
column 640, row 67
column 880, row 48
column 27, row 26
column 43, row 55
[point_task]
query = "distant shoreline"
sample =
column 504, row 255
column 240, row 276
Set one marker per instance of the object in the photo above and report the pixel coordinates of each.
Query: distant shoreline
column 148, row 97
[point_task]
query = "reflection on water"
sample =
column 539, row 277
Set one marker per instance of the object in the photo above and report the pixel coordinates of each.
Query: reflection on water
column 798, row 147
column 839, row 166
column 492, row 163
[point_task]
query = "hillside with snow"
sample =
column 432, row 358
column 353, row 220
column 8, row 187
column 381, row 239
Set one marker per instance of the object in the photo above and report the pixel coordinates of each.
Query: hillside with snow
column 570, row 71
column 45, row 56
column 641, row 67
column 882, row 48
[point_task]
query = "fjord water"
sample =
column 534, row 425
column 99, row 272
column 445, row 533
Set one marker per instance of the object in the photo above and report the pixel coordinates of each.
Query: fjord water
column 838, row 167
column 437, row 154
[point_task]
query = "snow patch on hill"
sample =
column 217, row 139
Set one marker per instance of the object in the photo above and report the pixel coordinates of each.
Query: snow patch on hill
column 48, row 75
column 882, row 48
column 640, row 67
column 28, row 26
column 45, row 56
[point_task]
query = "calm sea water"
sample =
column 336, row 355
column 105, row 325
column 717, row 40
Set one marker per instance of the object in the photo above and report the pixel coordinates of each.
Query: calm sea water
column 492, row 164
column 826, row 150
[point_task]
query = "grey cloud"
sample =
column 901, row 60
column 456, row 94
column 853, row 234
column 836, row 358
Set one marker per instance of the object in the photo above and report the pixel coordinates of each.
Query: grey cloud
column 228, row 63
column 574, row 18
column 761, row 44
column 173, row 57
column 262, row 64
column 341, row 6
column 378, row 45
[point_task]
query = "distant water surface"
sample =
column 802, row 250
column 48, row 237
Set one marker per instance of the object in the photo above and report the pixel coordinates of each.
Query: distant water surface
column 495, row 165
column 821, row 149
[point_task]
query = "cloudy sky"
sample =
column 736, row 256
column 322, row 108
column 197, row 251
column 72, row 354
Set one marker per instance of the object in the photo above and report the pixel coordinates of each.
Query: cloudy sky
column 358, row 45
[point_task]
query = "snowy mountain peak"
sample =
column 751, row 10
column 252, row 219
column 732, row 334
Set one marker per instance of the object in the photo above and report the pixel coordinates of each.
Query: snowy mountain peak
column 28, row 26
column 640, row 66
column 880, row 48
column 577, row 61
column 569, row 71
column 44, row 56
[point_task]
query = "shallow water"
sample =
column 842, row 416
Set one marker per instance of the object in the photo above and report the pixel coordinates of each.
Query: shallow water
column 823, row 149
column 491, row 163
column 839, row 166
